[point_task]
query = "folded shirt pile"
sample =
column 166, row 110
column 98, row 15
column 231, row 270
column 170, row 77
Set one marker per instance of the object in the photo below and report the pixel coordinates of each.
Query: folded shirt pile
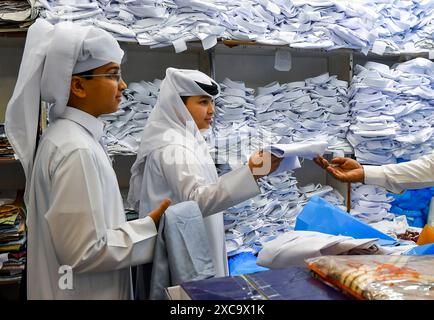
column 326, row 25
column 403, row 26
column 315, row 109
column 234, row 125
column 12, row 242
column 370, row 203
column 17, row 14
column 6, row 151
column 123, row 128
column 392, row 111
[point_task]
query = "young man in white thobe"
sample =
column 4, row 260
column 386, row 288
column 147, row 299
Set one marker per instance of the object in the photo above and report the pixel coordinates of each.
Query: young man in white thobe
column 80, row 245
column 173, row 159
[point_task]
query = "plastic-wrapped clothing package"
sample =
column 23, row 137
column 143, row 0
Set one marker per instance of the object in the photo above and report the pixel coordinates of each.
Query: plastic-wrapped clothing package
column 378, row 277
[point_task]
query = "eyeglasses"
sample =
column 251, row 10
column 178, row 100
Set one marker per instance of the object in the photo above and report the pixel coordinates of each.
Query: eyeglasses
column 113, row 76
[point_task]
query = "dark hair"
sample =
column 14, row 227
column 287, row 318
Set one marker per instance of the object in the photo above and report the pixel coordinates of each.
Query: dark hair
column 184, row 99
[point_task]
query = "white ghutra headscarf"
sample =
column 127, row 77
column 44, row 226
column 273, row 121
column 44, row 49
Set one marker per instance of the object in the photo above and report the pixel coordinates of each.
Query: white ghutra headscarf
column 51, row 55
column 170, row 123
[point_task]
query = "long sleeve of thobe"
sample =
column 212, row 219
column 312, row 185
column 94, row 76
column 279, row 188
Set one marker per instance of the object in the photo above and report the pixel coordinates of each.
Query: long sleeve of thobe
column 187, row 183
column 77, row 221
column 396, row 178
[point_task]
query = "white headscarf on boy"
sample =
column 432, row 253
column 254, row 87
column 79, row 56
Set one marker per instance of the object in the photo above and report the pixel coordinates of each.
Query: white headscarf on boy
column 51, row 55
column 170, row 123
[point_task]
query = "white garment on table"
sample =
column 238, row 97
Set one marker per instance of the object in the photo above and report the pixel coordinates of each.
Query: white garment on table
column 396, row 178
column 293, row 247
column 76, row 217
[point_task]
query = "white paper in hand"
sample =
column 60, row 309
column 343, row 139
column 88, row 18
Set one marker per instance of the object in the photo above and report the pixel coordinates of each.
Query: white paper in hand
column 291, row 152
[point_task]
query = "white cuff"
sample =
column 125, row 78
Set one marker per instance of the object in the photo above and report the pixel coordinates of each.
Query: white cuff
column 240, row 184
column 375, row 175
column 141, row 229
column 143, row 234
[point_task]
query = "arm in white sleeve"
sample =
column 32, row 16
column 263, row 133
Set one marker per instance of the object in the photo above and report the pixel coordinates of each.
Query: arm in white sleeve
column 76, row 221
column 396, row 178
column 186, row 182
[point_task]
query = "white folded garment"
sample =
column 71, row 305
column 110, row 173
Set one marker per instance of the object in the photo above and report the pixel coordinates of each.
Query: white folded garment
column 291, row 152
column 293, row 247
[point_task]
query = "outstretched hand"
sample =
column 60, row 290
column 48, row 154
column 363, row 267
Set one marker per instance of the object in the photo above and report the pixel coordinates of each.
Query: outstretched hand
column 343, row 169
column 262, row 163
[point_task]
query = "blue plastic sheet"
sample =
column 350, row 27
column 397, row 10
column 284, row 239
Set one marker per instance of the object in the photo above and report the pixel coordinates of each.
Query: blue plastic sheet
column 244, row 263
column 414, row 204
column 321, row 216
column 421, row 250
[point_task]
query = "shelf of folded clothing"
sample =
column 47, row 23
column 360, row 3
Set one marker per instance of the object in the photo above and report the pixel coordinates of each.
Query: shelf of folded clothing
column 192, row 47
column 388, row 55
column 254, row 47
column 234, row 45
column 12, row 240
column 243, row 44
column 237, row 47
column 231, row 43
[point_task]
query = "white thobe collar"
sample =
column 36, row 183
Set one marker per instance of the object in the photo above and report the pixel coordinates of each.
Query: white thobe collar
column 87, row 121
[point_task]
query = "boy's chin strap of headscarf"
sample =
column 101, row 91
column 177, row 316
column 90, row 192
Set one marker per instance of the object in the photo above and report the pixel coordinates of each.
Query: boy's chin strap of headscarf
column 51, row 55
